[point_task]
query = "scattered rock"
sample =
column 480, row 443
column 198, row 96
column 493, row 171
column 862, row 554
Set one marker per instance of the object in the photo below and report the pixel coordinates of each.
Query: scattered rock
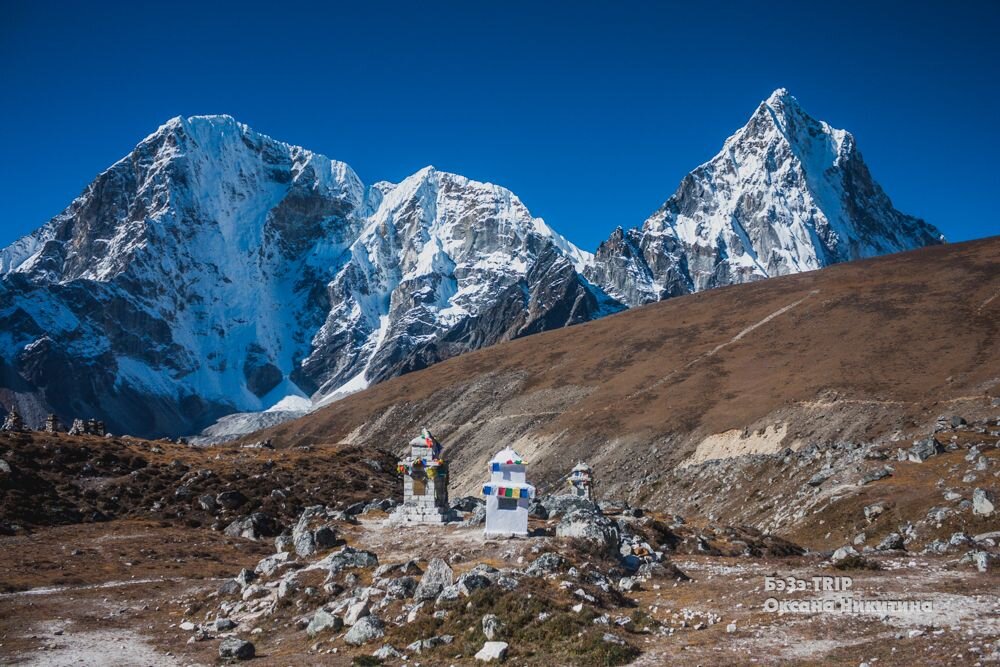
column 492, row 651
column 253, row 527
column 435, row 579
column 356, row 612
column 875, row 475
column 365, row 630
column 230, row 500
column 820, row 477
column 467, row 503
column 347, row 558
column 234, row 647
column 472, row 581
column 322, row 621
column 478, row 516
column 245, row 577
column 891, row 542
column 590, row 525
column 387, row 652
column 923, row 450
column 874, row 511
column 983, row 502
column 547, row 563
column 563, row 504
column 492, row 626
column 842, row 553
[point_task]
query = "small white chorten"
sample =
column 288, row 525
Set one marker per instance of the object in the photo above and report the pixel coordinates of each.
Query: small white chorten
column 581, row 480
column 508, row 495
column 425, row 483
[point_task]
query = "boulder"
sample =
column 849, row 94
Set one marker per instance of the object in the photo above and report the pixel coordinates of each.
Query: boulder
column 314, row 531
column 356, row 612
column 874, row 511
column 492, row 626
column 235, row 648
column 383, row 505
column 283, row 542
column 230, row 500
column 268, row 565
column 224, row 624
column 590, row 525
column 983, row 502
column 355, row 508
column 923, row 450
column 842, row 553
column 401, row 588
column 448, row 594
column 563, row 504
column 347, row 558
column 253, row 527
column 820, row 477
column 875, row 475
column 547, row 563
column 365, row 630
column 230, row 587
column 410, row 567
column 939, row 514
column 478, row 516
column 208, row 504
column 387, row 652
column 467, row 503
column 537, row 510
column 245, row 577
column 472, row 581
column 426, row 644
column 891, row 542
column 492, row 651
column 322, row 621
column 435, row 579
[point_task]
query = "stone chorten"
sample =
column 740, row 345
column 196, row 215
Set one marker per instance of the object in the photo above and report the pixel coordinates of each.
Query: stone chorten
column 425, row 483
column 508, row 495
column 581, row 481
column 52, row 424
column 13, row 422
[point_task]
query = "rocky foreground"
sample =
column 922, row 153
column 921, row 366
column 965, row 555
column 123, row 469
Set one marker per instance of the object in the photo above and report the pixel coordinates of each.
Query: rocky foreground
column 118, row 551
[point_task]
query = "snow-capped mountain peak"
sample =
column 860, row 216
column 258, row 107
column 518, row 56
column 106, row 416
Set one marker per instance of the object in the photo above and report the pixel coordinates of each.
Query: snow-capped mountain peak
column 786, row 193
column 215, row 269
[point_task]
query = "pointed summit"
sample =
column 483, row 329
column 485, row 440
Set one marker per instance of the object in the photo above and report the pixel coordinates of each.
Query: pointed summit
column 787, row 193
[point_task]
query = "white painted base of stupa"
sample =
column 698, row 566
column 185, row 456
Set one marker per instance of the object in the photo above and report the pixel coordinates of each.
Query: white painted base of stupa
column 502, row 535
column 419, row 513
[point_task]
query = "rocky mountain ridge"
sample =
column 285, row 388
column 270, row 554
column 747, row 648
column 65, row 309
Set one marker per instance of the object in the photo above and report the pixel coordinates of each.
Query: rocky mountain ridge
column 787, row 193
column 215, row 271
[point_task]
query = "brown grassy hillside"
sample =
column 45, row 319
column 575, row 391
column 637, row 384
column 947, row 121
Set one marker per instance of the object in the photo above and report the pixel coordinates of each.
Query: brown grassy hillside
column 864, row 351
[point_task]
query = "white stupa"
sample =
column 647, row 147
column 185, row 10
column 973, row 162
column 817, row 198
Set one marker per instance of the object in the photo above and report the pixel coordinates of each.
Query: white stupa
column 508, row 495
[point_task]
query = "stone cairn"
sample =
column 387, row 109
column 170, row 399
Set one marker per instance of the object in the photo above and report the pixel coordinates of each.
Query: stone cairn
column 52, row 424
column 581, row 481
column 89, row 427
column 14, row 423
column 425, row 483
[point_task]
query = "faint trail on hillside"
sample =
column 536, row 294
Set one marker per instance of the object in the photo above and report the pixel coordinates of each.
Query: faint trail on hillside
column 720, row 346
column 987, row 302
column 53, row 590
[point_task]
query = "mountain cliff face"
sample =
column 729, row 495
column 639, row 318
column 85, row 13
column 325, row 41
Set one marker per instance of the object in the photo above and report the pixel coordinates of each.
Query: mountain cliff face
column 215, row 271
column 786, row 193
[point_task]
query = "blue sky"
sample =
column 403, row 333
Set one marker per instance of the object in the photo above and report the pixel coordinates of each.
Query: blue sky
column 590, row 112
